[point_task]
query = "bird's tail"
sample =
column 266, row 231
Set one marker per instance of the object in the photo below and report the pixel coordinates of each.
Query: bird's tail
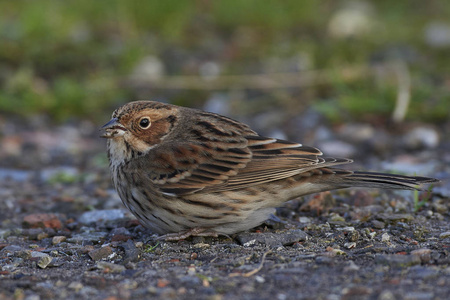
column 387, row 181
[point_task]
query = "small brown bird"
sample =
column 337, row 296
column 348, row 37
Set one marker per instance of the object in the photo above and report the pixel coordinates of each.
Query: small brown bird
column 184, row 172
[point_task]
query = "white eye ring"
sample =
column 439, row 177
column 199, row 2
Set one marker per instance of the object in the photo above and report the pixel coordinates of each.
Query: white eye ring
column 144, row 123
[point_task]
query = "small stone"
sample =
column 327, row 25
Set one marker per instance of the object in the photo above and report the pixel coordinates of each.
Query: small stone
column 440, row 207
column 347, row 228
column 272, row 239
column 95, row 237
column 419, row 296
column 100, row 253
column 351, row 266
column 4, row 233
column 120, row 234
column 25, row 254
column 444, row 235
column 42, row 220
column 131, row 252
column 94, row 216
column 385, row 238
column 397, row 260
column 423, row 273
column 191, row 271
column 76, row 286
column 353, row 236
column 324, row 260
column 11, row 249
column 42, row 235
column 378, row 224
column 394, row 218
column 304, row 220
column 423, row 254
column 110, row 267
column 201, row 246
column 386, row 295
column 350, row 245
column 44, row 259
column 58, row 239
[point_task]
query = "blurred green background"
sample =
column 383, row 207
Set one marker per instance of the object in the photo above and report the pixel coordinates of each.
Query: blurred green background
column 346, row 59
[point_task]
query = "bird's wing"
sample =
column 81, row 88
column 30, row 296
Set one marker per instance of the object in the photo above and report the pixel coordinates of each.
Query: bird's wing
column 274, row 159
column 211, row 166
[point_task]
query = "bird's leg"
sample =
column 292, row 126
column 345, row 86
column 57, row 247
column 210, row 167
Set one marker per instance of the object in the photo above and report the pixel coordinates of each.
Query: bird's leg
column 196, row 231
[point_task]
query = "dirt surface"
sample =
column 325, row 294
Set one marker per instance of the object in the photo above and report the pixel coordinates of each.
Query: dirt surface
column 65, row 234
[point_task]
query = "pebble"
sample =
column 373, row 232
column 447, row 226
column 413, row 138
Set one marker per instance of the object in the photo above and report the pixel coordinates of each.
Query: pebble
column 386, row 295
column 353, row 236
column 443, row 190
column 419, row 296
column 32, row 233
column 42, row 220
column 377, row 224
column 397, row 260
column 4, row 233
column 25, row 254
column 84, row 237
column 76, row 286
column 351, row 266
column 100, row 253
column 350, row 245
column 44, row 259
column 110, row 267
column 14, row 175
column 304, row 220
column 440, row 208
column 131, row 252
column 423, row 272
column 385, row 238
column 393, row 218
column 424, row 254
column 444, row 235
column 58, row 239
column 324, row 260
column 272, row 239
column 94, row 216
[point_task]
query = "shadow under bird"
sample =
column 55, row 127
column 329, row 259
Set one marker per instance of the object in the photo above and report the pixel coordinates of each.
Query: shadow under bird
column 184, row 171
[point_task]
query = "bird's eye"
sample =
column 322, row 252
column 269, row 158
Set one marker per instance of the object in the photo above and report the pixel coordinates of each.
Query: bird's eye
column 144, row 123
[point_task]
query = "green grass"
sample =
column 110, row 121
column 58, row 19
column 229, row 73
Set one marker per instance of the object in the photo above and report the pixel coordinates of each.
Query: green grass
column 73, row 58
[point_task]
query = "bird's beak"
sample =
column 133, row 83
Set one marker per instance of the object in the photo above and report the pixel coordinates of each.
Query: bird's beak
column 112, row 129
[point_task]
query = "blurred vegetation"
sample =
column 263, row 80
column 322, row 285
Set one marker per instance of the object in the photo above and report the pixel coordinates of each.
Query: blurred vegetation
column 78, row 58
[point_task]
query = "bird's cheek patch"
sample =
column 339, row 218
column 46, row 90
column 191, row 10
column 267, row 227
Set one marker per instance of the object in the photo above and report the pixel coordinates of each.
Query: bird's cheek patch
column 139, row 145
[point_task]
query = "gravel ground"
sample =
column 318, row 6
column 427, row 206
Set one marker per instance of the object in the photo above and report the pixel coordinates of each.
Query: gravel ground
column 65, row 234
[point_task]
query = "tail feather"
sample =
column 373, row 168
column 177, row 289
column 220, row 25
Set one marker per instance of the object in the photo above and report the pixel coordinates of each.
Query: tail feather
column 387, row 181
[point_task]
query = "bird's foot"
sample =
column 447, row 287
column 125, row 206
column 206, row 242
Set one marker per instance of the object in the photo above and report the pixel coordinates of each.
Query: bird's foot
column 196, row 231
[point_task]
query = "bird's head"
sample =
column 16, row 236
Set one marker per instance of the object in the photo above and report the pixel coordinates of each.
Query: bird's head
column 140, row 125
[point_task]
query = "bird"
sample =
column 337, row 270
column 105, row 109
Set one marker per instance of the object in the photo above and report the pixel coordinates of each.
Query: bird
column 186, row 172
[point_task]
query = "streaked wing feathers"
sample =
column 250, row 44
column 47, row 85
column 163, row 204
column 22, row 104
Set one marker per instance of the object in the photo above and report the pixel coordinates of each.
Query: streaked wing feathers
column 184, row 168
